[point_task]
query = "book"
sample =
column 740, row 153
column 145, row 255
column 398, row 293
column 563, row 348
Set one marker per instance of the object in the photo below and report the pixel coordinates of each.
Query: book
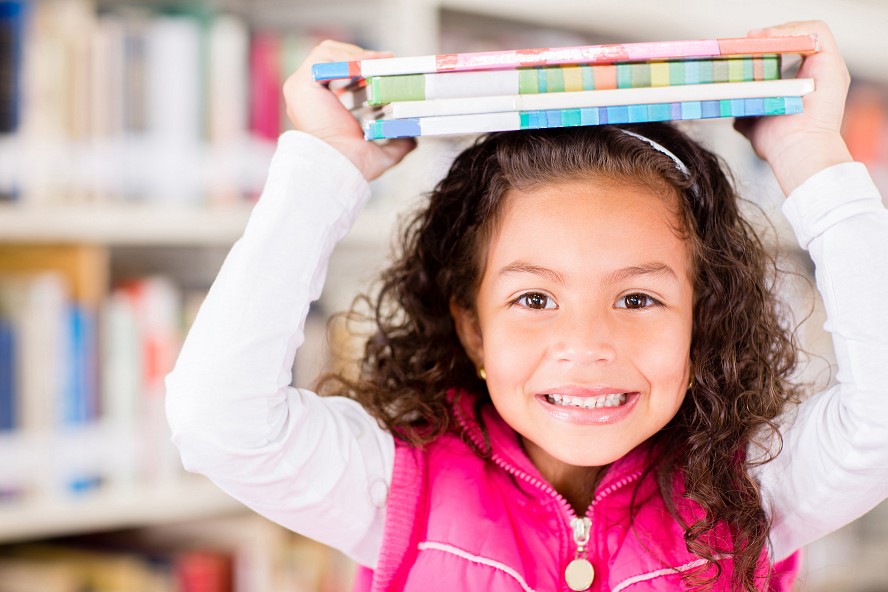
column 36, row 307
column 56, row 308
column 265, row 85
column 520, row 120
column 8, row 375
column 148, row 314
column 585, row 54
column 378, row 90
column 795, row 87
column 12, row 24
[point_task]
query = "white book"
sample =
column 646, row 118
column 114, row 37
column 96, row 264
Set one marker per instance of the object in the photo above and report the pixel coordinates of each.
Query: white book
column 121, row 392
column 174, row 113
column 795, row 87
column 38, row 305
column 473, row 123
column 228, row 79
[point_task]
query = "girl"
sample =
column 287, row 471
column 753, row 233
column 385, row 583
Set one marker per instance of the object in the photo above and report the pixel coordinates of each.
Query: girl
column 578, row 374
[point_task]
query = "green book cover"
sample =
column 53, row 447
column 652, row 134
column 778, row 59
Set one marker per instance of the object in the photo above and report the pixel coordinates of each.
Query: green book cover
column 417, row 87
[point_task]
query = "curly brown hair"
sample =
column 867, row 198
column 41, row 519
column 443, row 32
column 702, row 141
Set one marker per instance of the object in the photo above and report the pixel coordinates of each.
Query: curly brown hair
column 742, row 354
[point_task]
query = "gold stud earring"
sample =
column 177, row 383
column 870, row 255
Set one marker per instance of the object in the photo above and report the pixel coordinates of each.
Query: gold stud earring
column 482, row 374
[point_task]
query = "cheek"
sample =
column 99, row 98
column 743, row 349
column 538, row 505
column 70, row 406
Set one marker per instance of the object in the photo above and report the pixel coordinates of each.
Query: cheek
column 510, row 349
column 664, row 358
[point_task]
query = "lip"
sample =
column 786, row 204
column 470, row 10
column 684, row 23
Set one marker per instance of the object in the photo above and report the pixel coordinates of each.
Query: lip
column 583, row 416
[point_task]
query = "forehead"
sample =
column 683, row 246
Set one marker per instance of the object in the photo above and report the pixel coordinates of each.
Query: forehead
column 589, row 222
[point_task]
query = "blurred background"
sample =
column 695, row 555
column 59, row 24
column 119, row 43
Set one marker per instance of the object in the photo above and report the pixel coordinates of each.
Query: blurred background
column 134, row 139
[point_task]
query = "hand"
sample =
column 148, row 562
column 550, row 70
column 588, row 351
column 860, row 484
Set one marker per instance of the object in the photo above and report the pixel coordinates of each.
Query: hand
column 797, row 146
column 314, row 109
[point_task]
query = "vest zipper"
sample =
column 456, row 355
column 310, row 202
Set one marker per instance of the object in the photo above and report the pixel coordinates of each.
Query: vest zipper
column 580, row 527
column 579, row 573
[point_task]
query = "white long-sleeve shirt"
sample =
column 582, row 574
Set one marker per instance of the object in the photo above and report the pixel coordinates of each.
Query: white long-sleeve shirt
column 322, row 466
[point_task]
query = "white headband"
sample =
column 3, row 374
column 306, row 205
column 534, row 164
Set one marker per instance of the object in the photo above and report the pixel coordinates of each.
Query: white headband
column 660, row 148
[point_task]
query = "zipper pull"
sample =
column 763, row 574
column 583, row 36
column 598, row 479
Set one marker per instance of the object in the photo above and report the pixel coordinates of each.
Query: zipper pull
column 579, row 573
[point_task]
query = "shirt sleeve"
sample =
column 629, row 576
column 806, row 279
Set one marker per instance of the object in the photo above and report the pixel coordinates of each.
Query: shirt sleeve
column 317, row 465
column 833, row 466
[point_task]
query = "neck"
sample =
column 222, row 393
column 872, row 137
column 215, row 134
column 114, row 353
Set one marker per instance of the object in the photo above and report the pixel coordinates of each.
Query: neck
column 578, row 488
column 574, row 483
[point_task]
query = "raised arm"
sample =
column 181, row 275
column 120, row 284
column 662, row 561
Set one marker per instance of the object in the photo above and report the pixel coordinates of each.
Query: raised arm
column 797, row 146
column 834, row 463
column 319, row 466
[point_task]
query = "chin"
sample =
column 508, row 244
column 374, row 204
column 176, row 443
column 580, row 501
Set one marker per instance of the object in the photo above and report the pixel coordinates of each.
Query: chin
column 592, row 458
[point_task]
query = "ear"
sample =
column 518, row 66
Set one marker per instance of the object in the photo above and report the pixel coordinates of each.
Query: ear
column 469, row 332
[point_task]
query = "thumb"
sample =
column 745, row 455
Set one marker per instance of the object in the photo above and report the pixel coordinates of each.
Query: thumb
column 397, row 149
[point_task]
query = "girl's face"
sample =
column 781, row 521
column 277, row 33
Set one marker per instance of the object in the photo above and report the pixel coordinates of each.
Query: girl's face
column 583, row 320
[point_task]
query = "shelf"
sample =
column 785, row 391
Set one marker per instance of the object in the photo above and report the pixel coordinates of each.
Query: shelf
column 116, row 224
column 147, row 225
column 192, row 498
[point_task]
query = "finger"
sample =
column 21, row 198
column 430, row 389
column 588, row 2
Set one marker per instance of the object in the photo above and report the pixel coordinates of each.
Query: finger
column 398, row 148
column 826, row 64
column 818, row 28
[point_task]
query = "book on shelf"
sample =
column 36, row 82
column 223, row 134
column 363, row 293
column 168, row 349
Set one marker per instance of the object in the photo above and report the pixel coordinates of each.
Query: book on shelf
column 570, row 86
column 12, row 19
column 140, row 101
column 81, row 390
column 49, row 300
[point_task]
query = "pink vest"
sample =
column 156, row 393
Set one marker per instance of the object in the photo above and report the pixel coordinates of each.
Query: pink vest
column 456, row 522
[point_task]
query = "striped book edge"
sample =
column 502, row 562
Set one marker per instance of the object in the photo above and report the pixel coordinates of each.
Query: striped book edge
column 790, row 87
column 556, row 118
column 569, row 78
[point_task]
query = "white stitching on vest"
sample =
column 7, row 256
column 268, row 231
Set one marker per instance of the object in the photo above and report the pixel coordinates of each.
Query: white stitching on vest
column 428, row 545
column 656, row 574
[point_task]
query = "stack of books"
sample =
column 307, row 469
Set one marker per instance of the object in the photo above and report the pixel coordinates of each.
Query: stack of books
column 569, row 86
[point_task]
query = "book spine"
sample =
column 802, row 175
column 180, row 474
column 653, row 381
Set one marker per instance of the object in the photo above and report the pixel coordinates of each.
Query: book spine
column 553, row 118
column 12, row 24
column 7, row 376
column 419, row 87
column 265, row 86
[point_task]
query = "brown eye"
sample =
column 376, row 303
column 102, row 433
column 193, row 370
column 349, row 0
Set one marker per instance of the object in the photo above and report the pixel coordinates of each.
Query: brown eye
column 536, row 301
column 636, row 301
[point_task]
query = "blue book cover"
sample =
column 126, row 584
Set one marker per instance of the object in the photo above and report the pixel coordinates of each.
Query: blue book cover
column 80, row 404
column 7, row 376
column 473, row 123
column 12, row 25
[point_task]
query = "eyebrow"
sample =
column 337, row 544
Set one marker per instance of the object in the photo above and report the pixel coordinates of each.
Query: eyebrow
column 522, row 267
column 652, row 269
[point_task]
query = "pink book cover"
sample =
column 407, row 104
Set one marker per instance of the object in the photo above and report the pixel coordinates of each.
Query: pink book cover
column 588, row 54
column 265, row 86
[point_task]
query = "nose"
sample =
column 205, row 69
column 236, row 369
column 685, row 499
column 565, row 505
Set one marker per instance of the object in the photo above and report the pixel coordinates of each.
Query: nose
column 585, row 336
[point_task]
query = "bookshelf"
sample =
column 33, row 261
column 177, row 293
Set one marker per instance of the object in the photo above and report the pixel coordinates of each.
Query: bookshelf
column 120, row 225
column 121, row 508
column 147, row 215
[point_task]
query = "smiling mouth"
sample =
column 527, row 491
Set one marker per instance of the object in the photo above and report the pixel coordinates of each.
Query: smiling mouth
column 613, row 400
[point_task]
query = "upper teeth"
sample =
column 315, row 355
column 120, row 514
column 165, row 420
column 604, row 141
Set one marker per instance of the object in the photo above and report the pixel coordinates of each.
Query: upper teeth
column 588, row 402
